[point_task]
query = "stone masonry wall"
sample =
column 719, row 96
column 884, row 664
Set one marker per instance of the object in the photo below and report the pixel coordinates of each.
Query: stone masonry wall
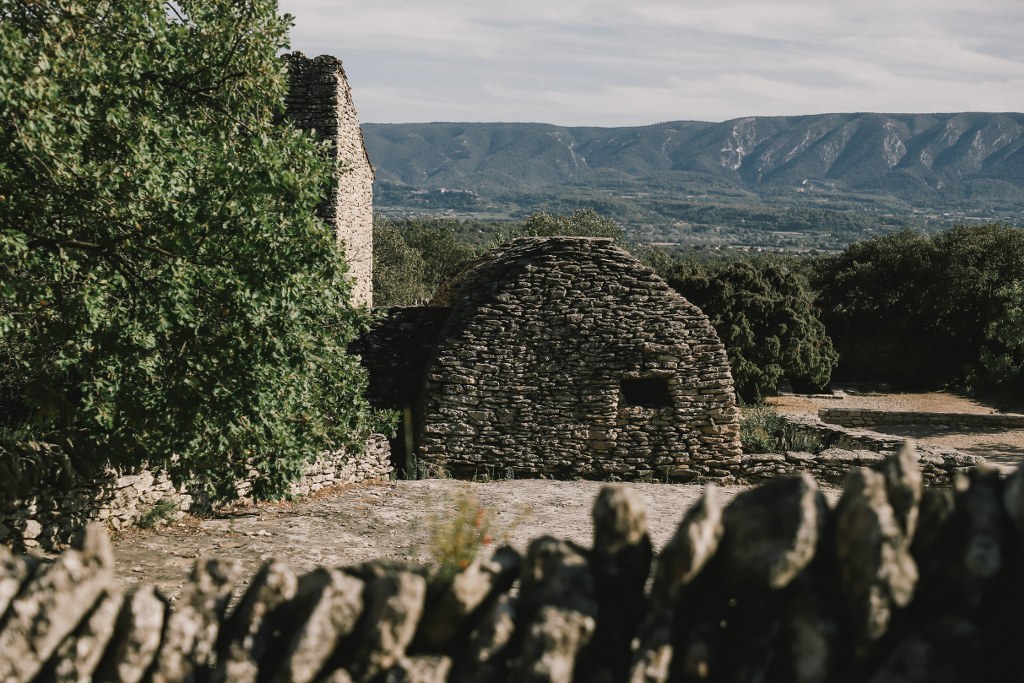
column 567, row 357
column 57, row 506
column 865, row 417
column 396, row 351
column 320, row 99
column 846, row 448
column 895, row 583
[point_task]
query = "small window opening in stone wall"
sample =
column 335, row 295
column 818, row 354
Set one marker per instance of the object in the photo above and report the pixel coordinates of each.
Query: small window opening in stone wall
column 645, row 392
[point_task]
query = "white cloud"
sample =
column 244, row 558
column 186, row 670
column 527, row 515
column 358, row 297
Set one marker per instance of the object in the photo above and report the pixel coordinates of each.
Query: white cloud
column 598, row 62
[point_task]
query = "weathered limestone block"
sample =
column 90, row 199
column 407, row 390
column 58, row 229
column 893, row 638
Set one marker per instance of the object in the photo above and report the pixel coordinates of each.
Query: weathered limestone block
column 449, row 618
column 488, row 651
column 14, row 571
column 52, row 604
column 559, row 608
column 620, row 563
column 136, row 637
column 394, row 603
column 877, row 574
column 246, row 636
column 326, row 608
column 190, row 633
column 79, row 655
column 772, row 532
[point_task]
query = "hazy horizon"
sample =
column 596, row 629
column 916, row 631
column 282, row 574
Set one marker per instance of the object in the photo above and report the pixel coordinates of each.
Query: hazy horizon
column 612, row 64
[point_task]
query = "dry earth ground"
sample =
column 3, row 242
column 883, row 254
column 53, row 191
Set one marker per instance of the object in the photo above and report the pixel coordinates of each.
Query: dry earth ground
column 349, row 525
column 393, row 520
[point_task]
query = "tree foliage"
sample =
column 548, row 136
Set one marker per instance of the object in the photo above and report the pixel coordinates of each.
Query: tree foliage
column 166, row 294
column 399, row 271
column 580, row 223
column 929, row 311
column 765, row 315
column 411, row 259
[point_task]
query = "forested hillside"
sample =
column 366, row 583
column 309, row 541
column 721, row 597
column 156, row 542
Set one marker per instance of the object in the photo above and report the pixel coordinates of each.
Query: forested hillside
column 823, row 180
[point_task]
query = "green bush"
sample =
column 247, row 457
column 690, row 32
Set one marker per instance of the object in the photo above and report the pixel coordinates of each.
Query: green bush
column 929, row 311
column 764, row 313
column 761, row 429
column 166, row 294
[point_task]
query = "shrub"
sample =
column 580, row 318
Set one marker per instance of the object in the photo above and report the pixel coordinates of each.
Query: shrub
column 761, row 429
column 464, row 531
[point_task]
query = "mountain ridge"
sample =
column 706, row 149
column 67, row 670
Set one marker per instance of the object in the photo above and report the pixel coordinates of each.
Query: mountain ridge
column 972, row 162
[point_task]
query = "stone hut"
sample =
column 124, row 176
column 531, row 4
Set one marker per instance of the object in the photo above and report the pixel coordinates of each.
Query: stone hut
column 559, row 357
column 320, row 99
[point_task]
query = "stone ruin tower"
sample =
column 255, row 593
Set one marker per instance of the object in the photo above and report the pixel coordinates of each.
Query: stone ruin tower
column 320, row 99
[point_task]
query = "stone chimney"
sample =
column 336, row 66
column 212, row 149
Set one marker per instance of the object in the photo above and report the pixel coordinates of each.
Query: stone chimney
column 320, row 99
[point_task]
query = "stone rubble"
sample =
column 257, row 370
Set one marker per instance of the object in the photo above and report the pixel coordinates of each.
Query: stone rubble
column 897, row 583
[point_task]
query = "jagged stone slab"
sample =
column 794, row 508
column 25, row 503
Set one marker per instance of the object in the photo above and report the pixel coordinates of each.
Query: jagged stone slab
column 422, row 669
column 326, row 608
column 450, row 616
column 876, row 571
column 771, row 533
column 394, row 603
column 904, row 487
column 79, row 655
column 52, row 604
column 695, row 541
column 244, row 640
column 979, row 498
column 620, row 563
column 487, row 651
column 1013, row 498
column 560, row 609
column 14, row 572
column 190, row 633
column 136, row 638
column 554, row 639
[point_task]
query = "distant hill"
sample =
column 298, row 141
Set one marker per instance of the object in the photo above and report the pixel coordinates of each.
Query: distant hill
column 926, row 169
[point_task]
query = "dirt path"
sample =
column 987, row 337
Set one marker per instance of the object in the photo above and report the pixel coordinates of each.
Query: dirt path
column 392, row 520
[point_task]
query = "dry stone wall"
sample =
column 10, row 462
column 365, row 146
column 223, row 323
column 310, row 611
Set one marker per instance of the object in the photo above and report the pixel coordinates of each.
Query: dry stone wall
column 865, row 417
column 845, row 448
column 396, row 352
column 896, row 583
column 567, row 357
column 49, row 510
column 320, row 99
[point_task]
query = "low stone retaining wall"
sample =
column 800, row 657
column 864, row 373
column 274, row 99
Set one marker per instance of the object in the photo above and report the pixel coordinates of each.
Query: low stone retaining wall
column 896, row 583
column 864, row 417
column 58, row 504
column 846, row 448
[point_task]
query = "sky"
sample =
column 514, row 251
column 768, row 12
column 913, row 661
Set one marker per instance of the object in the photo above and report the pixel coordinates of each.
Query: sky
column 636, row 62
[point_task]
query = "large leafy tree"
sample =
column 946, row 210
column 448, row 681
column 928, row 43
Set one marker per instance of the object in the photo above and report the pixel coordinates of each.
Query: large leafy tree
column 929, row 311
column 166, row 294
column 765, row 315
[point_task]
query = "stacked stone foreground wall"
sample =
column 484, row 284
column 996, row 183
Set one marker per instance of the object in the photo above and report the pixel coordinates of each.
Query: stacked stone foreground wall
column 532, row 370
column 895, row 583
column 320, row 100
